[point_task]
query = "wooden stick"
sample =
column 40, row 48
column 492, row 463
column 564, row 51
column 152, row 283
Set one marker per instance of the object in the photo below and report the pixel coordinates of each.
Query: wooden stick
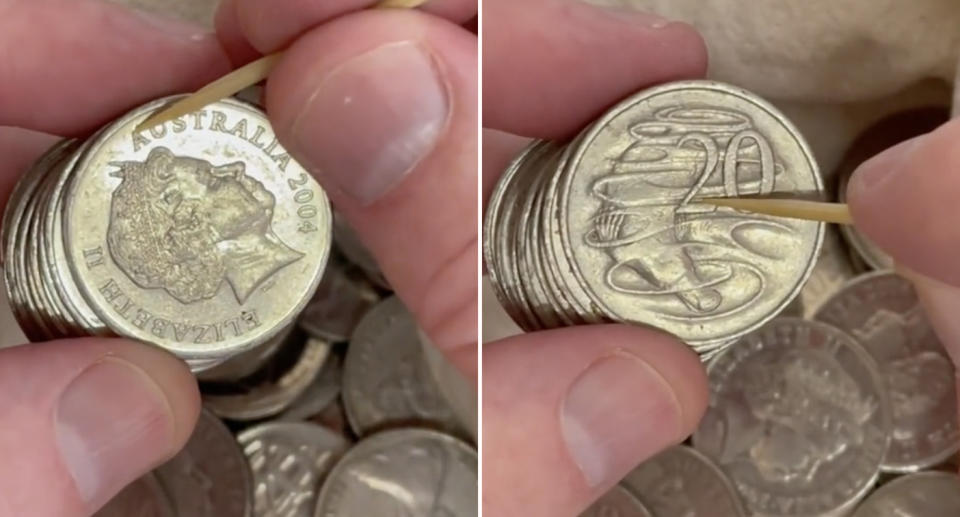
column 837, row 213
column 239, row 79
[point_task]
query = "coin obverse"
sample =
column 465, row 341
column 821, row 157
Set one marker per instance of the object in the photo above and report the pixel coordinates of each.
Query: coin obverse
column 682, row 482
column 799, row 419
column 210, row 477
column 608, row 227
column 289, row 462
column 403, row 472
column 882, row 312
column 202, row 235
column 925, row 494
column 386, row 380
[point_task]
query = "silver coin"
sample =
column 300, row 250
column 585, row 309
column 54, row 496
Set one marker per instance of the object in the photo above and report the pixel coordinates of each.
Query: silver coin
column 349, row 244
column 799, row 419
column 882, row 312
column 289, row 461
column 142, row 498
column 245, row 363
column 410, row 472
column 386, row 380
column 647, row 251
column 210, row 476
column 338, row 305
column 274, row 395
column 927, row 494
column 321, row 394
column 618, row 502
column 681, row 482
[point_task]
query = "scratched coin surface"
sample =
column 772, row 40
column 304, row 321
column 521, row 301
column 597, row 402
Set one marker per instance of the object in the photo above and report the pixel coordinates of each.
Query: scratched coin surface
column 210, row 476
column 618, row 502
column 403, row 472
column 926, row 494
column 799, row 419
column 142, row 498
column 386, row 379
column 289, row 461
column 642, row 247
column 682, row 482
column 201, row 235
column 882, row 312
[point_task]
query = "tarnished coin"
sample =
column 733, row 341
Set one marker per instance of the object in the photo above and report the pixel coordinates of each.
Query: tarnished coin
column 884, row 134
column 927, row 494
column 386, row 381
column 289, row 462
column 882, row 312
column 202, row 235
column 210, row 476
column 834, row 269
column 338, row 305
column 681, row 482
column 245, row 363
column 403, row 472
column 643, row 247
column 349, row 244
column 617, row 503
column 274, row 394
column 142, row 498
column 799, row 419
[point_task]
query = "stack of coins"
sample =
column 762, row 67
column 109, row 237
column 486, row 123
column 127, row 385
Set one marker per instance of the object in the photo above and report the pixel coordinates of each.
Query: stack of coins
column 609, row 227
column 201, row 235
column 850, row 409
column 303, row 425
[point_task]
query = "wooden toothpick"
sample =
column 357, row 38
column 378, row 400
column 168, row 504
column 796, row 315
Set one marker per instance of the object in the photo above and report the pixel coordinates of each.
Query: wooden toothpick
column 837, row 213
column 239, row 79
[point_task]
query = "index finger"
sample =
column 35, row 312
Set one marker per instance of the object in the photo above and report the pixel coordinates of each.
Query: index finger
column 91, row 61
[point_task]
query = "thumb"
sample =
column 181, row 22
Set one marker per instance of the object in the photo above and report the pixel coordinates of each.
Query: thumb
column 85, row 417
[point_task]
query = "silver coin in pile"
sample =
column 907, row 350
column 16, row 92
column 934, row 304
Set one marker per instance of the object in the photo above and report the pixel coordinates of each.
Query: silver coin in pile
column 321, row 394
column 289, row 462
column 925, row 494
column 681, row 482
column 882, row 312
column 349, row 244
column 648, row 252
column 210, row 477
column 273, row 396
column 245, row 363
column 201, row 235
column 142, row 498
column 386, row 380
column 403, row 472
column 834, row 269
column 799, row 419
column 618, row 502
column 338, row 305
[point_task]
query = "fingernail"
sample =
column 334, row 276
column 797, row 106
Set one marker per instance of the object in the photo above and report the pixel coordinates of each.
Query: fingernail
column 618, row 411
column 877, row 170
column 369, row 122
column 637, row 18
column 113, row 423
column 172, row 26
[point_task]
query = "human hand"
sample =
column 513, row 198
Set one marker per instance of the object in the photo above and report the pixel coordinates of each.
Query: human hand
column 85, row 417
column 567, row 413
column 904, row 200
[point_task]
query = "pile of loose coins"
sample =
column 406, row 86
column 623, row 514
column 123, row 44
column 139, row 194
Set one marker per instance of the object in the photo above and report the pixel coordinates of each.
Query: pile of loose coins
column 201, row 236
column 842, row 405
column 338, row 415
column 608, row 227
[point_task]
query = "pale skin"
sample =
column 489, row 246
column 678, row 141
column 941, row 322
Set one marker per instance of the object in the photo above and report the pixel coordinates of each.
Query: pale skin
column 543, row 78
column 114, row 59
column 528, row 467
